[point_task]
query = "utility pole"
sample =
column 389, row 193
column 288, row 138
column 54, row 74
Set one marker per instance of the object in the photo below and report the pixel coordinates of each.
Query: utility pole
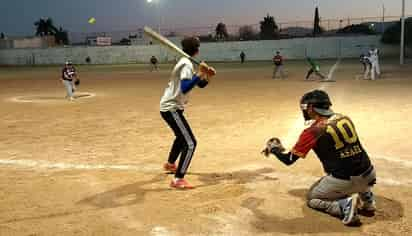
column 402, row 59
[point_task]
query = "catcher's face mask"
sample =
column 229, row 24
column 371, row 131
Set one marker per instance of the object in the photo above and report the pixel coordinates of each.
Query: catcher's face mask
column 304, row 108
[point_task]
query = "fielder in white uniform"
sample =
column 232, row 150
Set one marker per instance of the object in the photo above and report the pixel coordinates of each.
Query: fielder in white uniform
column 374, row 61
column 172, row 105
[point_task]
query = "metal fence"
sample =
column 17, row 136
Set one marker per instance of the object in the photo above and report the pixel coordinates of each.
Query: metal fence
column 290, row 29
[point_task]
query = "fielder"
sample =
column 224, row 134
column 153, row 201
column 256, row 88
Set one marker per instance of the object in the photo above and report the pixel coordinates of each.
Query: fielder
column 69, row 79
column 278, row 61
column 172, row 105
column 374, row 60
column 314, row 69
column 242, row 57
column 367, row 65
column 350, row 175
column 153, row 64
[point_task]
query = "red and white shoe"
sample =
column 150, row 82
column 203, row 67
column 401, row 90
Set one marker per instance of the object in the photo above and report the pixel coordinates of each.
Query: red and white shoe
column 180, row 184
column 170, row 167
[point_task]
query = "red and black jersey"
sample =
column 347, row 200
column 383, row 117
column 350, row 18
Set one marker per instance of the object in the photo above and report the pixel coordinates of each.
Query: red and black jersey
column 68, row 73
column 336, row 144
column 278, row 60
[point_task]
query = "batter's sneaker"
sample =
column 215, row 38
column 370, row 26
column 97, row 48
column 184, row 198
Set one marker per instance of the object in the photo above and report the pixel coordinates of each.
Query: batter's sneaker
column 350, row 209
column 170, row 167
column 368, row 202
column 180, row 184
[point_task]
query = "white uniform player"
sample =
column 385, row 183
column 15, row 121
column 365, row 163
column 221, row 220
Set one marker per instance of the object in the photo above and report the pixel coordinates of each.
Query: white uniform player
column 172, row 105
column 374, row 60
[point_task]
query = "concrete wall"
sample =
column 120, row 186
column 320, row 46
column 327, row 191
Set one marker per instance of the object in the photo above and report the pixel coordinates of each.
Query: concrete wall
column 25, row 43
column 331, row 47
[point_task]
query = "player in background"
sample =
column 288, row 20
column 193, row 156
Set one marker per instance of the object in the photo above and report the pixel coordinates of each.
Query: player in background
column 374, row 60
column 363, row 59
column 350, row 175
column 172, row 105
column 278, row 61
column 242, row 57
column 367, row 65
column 314, row 68
column 68, row 79
column 153, row 64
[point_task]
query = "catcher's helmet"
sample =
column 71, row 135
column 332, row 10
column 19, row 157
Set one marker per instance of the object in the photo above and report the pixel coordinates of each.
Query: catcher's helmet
column 320, row 101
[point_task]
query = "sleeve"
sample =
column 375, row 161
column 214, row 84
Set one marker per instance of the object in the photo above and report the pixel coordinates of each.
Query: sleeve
column 306, row 142
column 186, row 72
column 188, row 84
column 64, row 74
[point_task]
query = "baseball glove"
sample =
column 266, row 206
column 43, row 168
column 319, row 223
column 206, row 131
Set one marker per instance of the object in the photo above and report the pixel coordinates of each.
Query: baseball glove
column 273, row 143
column 77, row 82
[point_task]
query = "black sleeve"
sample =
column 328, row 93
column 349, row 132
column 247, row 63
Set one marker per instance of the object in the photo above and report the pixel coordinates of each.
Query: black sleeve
column 202, row 83
column 287, row 158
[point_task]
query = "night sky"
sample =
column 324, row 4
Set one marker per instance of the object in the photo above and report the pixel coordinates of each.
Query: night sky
column 17, row 16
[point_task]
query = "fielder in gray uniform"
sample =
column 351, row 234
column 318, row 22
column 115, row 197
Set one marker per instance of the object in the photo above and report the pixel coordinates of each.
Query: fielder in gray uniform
column 68, row 79
column 172, row 105
column 350, row 175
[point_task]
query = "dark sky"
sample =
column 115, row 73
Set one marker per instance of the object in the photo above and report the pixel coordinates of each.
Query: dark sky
column 17, row 16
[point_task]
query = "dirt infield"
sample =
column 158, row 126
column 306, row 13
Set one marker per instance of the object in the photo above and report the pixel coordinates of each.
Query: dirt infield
column 93, row 166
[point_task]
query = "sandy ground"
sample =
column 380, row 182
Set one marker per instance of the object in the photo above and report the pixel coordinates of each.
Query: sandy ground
column 93, row 166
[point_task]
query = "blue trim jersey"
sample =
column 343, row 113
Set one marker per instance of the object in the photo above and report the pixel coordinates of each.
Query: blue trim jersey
column 173, row 97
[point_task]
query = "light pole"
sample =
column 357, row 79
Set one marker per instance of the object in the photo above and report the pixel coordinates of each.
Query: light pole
column 157, row 3
column 402, row 59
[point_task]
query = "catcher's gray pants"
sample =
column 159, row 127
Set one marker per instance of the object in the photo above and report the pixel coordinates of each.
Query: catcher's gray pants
column 326, row 192
column 278, row 69
column 69, row 88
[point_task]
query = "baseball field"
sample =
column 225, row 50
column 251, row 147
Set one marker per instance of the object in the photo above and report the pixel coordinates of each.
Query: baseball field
column 94, row 166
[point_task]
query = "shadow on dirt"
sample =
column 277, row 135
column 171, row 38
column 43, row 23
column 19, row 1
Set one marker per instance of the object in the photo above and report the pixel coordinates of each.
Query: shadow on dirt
column 314, row 221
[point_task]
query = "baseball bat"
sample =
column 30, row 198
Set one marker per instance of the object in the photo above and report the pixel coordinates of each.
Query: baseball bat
column 164, row 41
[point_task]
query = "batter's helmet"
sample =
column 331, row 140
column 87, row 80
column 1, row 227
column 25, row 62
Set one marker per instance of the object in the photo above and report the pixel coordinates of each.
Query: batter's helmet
column 320, row 101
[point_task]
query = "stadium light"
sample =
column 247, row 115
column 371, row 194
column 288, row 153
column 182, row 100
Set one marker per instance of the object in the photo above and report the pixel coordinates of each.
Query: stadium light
column 157, row 3
column 402, row 59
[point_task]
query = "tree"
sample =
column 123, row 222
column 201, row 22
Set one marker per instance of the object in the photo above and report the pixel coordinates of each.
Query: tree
column 61, row 36
column 269, row 29
column 125, row 41
column 357, row 29
column 247, row 32
column 44, row 27
column 221, row 32
column 392, row 35
column 2, row 36
column 317, row 29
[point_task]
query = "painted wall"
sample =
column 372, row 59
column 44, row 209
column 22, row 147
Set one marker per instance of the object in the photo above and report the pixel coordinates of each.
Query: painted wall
column 330, row 47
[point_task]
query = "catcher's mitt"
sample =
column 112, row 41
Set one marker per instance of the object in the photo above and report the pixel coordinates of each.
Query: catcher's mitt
column 77, row 82
column 273, row 143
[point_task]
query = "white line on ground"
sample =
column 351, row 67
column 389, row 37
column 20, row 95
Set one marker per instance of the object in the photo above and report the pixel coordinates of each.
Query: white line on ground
column 403, row 163
column 145, row 168
column 333, row 69
column 39, row 164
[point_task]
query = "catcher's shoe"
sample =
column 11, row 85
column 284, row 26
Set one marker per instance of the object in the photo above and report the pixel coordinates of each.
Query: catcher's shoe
column 368, row 202
column 170, row 167
column 180, row 184
column 350, row 209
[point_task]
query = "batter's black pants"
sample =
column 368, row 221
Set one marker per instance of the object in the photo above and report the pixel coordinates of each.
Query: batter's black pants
column 184, row 144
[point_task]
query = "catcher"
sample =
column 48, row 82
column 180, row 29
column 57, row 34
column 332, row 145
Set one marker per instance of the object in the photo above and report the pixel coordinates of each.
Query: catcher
column 350, row 175
column 70, row 80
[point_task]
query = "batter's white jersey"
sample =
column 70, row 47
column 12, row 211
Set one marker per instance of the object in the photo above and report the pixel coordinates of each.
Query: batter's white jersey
column 173, row 98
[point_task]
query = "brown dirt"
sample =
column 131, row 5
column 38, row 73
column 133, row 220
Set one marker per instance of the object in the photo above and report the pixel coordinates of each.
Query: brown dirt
column 93, row 166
